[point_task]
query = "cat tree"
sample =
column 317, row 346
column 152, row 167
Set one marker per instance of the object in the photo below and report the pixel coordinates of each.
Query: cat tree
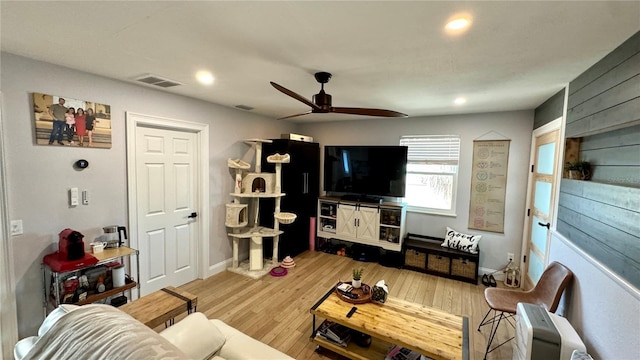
column 253, row 186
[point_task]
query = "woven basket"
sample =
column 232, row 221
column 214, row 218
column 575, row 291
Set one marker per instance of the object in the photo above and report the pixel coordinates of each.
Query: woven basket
column 463, row 267
column 285, row 218
column 438, row 263
column 415, row 259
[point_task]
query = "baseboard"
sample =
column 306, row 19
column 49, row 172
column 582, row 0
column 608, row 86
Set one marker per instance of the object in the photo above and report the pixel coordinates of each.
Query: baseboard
column 219, row 267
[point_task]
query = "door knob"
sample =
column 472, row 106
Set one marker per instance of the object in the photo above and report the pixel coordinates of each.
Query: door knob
column 193, row 215
column 547, row 225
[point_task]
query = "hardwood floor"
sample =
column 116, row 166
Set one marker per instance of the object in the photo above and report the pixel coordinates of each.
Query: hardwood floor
column 276, row 310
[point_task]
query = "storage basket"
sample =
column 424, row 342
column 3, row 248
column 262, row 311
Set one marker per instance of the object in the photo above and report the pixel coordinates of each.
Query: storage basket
column 463, row 267
column 438, row 263
column 414, row 258
column 285, row 218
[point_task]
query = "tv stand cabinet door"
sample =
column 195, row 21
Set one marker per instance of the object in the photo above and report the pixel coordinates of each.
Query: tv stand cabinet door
column 368, row 219
column 346, row 222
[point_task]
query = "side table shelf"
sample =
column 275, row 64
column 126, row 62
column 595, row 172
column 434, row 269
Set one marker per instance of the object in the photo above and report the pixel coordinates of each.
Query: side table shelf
column 53, row 288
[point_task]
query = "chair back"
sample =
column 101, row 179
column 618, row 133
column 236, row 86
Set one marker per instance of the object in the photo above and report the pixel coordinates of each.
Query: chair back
column 552, row 283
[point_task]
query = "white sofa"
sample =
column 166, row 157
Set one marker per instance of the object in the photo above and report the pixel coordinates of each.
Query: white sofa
column 96, row 332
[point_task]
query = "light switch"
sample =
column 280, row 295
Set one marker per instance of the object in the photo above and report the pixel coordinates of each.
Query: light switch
column 16, row 227
column 73, row 197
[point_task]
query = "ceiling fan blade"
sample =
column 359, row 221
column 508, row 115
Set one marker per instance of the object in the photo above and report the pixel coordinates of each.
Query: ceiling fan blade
column 295, row 96
column 290, row 116
column 369, row 112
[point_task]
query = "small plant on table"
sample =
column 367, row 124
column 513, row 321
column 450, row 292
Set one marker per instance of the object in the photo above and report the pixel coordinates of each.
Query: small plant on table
column 357, row 277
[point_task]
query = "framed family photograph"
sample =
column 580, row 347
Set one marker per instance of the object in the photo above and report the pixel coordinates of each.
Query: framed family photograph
column 71, row 122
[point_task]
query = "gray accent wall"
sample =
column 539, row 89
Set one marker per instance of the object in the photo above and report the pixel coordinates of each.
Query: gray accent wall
column 607, row 95
column 602, row 216
column 549, row 110
column 598, row 221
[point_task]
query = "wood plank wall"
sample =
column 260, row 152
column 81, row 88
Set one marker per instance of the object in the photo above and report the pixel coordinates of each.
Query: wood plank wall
column 602, row 216
column 549, row 110
column 607, row 95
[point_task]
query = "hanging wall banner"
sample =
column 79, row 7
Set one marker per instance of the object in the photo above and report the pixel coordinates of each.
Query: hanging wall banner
column 488, row 185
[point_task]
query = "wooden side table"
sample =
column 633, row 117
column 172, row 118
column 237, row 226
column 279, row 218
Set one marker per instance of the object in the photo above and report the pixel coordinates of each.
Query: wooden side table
column 161, row 306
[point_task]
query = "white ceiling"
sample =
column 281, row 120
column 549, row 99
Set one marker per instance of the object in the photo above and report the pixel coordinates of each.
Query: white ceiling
column 383, row 54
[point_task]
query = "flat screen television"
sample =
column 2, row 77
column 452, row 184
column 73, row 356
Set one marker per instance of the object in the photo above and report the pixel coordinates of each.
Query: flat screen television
column 365, row 170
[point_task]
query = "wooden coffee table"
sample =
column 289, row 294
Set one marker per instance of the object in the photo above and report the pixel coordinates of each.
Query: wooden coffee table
column 161, row 306
column 431, row 332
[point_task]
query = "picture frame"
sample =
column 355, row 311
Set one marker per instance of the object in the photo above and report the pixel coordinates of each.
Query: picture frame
column 69, row 122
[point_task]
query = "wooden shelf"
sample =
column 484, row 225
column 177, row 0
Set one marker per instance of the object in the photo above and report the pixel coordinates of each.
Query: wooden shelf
column 95, row 297
column 261, row 232
column 110, row 254
column 52, row 300
column 377, row 350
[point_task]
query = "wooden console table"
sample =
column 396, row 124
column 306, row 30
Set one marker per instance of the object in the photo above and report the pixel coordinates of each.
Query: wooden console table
column 431, row 332
column 161, row 306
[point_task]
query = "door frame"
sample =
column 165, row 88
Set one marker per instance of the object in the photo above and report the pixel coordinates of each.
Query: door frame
column 135, row 120
column 8, row 307
column 524, row 251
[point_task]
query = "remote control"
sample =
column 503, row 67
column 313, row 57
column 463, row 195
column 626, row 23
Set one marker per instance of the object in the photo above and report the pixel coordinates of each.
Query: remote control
column 349, row 295
column 352, row 311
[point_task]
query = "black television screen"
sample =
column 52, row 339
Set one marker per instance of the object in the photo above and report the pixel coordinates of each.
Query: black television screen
column 365, row 170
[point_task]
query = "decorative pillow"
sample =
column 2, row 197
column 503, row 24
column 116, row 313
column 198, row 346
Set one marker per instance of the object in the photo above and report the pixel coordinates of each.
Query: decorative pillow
column 196, row 336
column 459, row 241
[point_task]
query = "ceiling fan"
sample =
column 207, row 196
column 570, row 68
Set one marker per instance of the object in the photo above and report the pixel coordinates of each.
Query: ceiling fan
column 322, row 102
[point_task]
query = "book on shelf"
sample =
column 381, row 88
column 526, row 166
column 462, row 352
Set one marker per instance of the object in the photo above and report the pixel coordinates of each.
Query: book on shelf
column 400, row 353
column 334, row 332
column 339, row 343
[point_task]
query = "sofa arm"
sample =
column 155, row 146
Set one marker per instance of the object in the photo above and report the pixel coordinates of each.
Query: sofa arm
column 196, row 336
column 240, row 346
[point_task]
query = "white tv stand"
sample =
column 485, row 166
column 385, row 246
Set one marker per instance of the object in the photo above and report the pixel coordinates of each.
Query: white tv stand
column 367, row 223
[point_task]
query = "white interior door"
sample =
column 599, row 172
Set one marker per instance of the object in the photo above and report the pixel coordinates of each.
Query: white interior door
column 541, row 205
column 166, row 190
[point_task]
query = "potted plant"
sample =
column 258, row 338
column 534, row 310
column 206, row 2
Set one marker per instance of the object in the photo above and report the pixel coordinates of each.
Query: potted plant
column 578, row 170
column 357, row 278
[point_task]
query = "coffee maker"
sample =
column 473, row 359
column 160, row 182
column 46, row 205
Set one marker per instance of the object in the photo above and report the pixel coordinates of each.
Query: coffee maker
column 114, row 236
column 70, row 245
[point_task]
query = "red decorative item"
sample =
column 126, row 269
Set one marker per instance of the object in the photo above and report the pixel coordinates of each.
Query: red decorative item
column 70, row 245
column 278, row 271
column 57, row 263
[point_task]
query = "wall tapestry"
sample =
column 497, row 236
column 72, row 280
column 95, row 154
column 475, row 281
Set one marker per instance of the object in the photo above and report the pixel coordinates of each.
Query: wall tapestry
column 488, row 185
column 71, row 122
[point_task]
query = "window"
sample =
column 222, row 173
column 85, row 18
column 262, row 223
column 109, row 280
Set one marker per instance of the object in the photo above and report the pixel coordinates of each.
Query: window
column 432, row 172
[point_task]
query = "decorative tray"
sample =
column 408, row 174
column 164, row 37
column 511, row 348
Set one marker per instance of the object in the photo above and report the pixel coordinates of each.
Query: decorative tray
column 363, row 293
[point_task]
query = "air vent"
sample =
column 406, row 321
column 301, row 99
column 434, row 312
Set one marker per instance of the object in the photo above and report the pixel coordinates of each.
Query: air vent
column 245, row 107
column 157, row 81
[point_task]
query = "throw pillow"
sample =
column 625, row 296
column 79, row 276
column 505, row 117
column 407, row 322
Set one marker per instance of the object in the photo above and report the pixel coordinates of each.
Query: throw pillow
column 196, row 336
column 459, row 241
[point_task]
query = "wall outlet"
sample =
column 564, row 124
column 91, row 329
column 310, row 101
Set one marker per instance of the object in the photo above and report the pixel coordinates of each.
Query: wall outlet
column 510, row 257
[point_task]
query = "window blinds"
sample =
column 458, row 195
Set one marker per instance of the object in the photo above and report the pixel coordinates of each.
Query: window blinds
column 432, row 149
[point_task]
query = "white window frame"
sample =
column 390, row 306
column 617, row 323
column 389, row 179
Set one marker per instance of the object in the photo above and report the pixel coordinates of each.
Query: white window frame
column 435, row 150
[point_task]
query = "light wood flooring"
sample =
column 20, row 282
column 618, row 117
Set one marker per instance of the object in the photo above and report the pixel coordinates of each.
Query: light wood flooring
column 276, row 310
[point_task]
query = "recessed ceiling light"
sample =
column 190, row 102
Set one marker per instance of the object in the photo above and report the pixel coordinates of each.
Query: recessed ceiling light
column 459, row 101
column 204, row 77
column 458, row 23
